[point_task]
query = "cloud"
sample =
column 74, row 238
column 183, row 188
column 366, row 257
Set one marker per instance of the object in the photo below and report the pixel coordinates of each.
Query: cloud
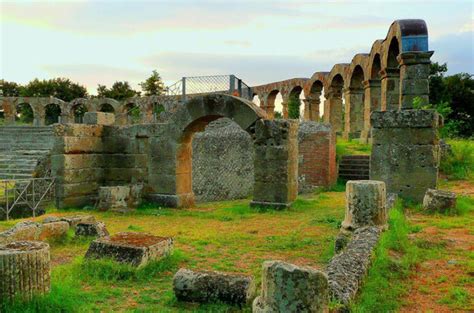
column 457, row 50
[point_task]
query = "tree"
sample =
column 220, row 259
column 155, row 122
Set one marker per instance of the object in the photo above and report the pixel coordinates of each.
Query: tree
column 61, row 88
column 118, row 91
column 9, row 89
column 153, row 85
column 294, row 107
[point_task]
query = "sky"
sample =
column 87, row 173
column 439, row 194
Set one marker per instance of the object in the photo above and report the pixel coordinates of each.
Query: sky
column 100, row 42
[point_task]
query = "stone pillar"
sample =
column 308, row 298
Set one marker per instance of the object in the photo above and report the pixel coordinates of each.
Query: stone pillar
column 365, row 204
column 354, row 112
column 333, row 110
column 284, row 110
column 290, row 288
column 405, row 151
column 390, row 88
column 276, row 163
column 38, row 118
column 9, row 112
column 371, row 104
column 311, row 109
column 65, row 118
column 414, row 73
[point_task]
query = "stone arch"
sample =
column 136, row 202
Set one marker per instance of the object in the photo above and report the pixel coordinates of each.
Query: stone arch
column 78, row 107
column 270, row 103
column 354, row 99
column 108, row 105
column 173, row 184
column 24, row 112
column 333, row 106
column 131, row 112
column 314, row 91
column 52, row 113
column 295, row 95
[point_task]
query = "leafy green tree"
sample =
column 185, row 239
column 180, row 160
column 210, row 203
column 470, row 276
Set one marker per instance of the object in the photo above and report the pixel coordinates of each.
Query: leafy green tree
column 9, row 89
column 153, row 85
column 294, row 107
column 61, row 88
column 277, row 115
column 118, row 91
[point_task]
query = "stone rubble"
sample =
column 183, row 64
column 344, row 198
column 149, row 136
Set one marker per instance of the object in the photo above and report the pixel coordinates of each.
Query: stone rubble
column 439, row 200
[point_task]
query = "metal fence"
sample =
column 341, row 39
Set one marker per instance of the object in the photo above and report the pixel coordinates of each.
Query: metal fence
column 28, row 194
column 228, row 84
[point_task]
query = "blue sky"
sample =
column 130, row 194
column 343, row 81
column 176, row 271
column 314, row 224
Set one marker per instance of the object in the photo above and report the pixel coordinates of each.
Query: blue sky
column 96, row 42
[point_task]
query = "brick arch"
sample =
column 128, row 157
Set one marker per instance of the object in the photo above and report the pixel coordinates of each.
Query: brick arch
column 174, row 183
column 333, row 105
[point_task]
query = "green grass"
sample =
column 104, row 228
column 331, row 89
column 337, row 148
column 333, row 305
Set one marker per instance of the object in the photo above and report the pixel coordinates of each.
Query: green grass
column 350, row 147
column 384, row 286
column 460, row 163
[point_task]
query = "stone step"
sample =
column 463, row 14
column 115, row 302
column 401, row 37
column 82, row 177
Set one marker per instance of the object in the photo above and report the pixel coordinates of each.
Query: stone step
column 356, row 157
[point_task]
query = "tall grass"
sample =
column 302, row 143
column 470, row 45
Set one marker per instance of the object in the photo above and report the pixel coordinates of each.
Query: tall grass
column 459, row 164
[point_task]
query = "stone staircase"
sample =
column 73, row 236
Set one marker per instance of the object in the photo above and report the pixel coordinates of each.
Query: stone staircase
column 354, row 167
column 22, row 149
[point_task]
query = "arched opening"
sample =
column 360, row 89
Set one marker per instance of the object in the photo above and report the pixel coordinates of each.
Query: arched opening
column 107, row 108
column 52, row 114
column 335, row 103
column 391, row 78
column 374, row 84
column 294, row 103
column 354, row 104
column 316, row 101
column 274, row 107
column 78, row 112
column 24, row 114
column 133, row 113
column 376, row 67
column 256, row 100
column 2, row 116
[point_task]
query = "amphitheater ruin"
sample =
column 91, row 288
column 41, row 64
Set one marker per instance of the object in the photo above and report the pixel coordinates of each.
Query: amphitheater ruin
column 219, row 145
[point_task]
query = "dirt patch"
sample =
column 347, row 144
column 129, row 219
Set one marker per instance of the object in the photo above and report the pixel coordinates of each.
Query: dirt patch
column 136, row 239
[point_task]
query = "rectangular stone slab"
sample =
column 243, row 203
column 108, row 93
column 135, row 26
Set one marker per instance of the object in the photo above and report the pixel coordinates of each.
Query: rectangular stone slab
column 136, row 249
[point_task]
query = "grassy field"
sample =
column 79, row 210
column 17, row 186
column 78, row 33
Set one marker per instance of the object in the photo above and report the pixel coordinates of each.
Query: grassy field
column 424, row 262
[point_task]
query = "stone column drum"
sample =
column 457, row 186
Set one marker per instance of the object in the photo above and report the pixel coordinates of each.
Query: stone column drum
column 276, row 163
column 365, row 204
column 24, row 270
column 289, row 288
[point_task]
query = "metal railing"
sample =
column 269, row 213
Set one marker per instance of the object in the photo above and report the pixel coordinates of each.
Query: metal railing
column 28, row 194
column 228, row 84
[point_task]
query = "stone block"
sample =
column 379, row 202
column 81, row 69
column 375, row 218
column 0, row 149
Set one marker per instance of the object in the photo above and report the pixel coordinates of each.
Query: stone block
column 404, row 119
column 91, row 229
column 21, row 231
column 365, row 204
column 207, row 286
column 77, row 219
column 113, row 198
column 439, row 200
column 53, row 230
column 290, row 288
column 136, row 249
column 99, row 118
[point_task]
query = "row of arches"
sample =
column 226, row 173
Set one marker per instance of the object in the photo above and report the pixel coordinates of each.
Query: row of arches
column 39, row 111
column 379, row 80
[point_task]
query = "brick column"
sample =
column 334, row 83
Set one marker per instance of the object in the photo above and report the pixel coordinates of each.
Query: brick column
column 414, row 72
column 333, row 110
column 405, row 151
column 354, row 112
column 371, row 104
column 390, row 88
column 311, row 109
column 276, row 163
column 284, row 110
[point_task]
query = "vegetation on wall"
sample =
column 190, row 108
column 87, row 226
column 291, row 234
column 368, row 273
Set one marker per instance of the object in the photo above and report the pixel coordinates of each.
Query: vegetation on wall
column 294, row 107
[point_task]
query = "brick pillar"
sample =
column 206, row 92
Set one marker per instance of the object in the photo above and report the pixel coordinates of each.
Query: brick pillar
column 405, row 151
column 414, row 72
column 390, row 88
column 9, row 112
column 311, row 109
column 276, row 163
column 333, row 110
column 284, row 105
column 354, row 112
column 371, row 104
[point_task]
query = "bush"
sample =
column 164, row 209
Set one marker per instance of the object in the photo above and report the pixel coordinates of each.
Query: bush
column 459, row 163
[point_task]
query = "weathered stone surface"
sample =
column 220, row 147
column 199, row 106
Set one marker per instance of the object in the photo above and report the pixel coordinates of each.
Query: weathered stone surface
column 53, row 230
column 50, row 219
column 136, row 249
column 24, row 270
column 439, row 200
column 21, row 231
column 99, row 118
column 113, row 198
column 347, row 269
column 76, row 219
column 405, row 119
column 94, row 229
column 206, row 286
column 276, row 147
column 365, row 204
column 289, row 288
column 342, row 239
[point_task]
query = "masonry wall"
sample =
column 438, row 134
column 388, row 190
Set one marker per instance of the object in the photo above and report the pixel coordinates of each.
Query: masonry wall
column 222, row 162
column 317, row 156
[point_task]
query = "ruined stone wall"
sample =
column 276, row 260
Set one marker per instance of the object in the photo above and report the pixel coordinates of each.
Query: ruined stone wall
column 222, row 162
column 405, row 151
column 317, row 156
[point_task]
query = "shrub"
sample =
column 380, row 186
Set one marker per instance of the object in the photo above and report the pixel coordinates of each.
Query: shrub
column 459, row 164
